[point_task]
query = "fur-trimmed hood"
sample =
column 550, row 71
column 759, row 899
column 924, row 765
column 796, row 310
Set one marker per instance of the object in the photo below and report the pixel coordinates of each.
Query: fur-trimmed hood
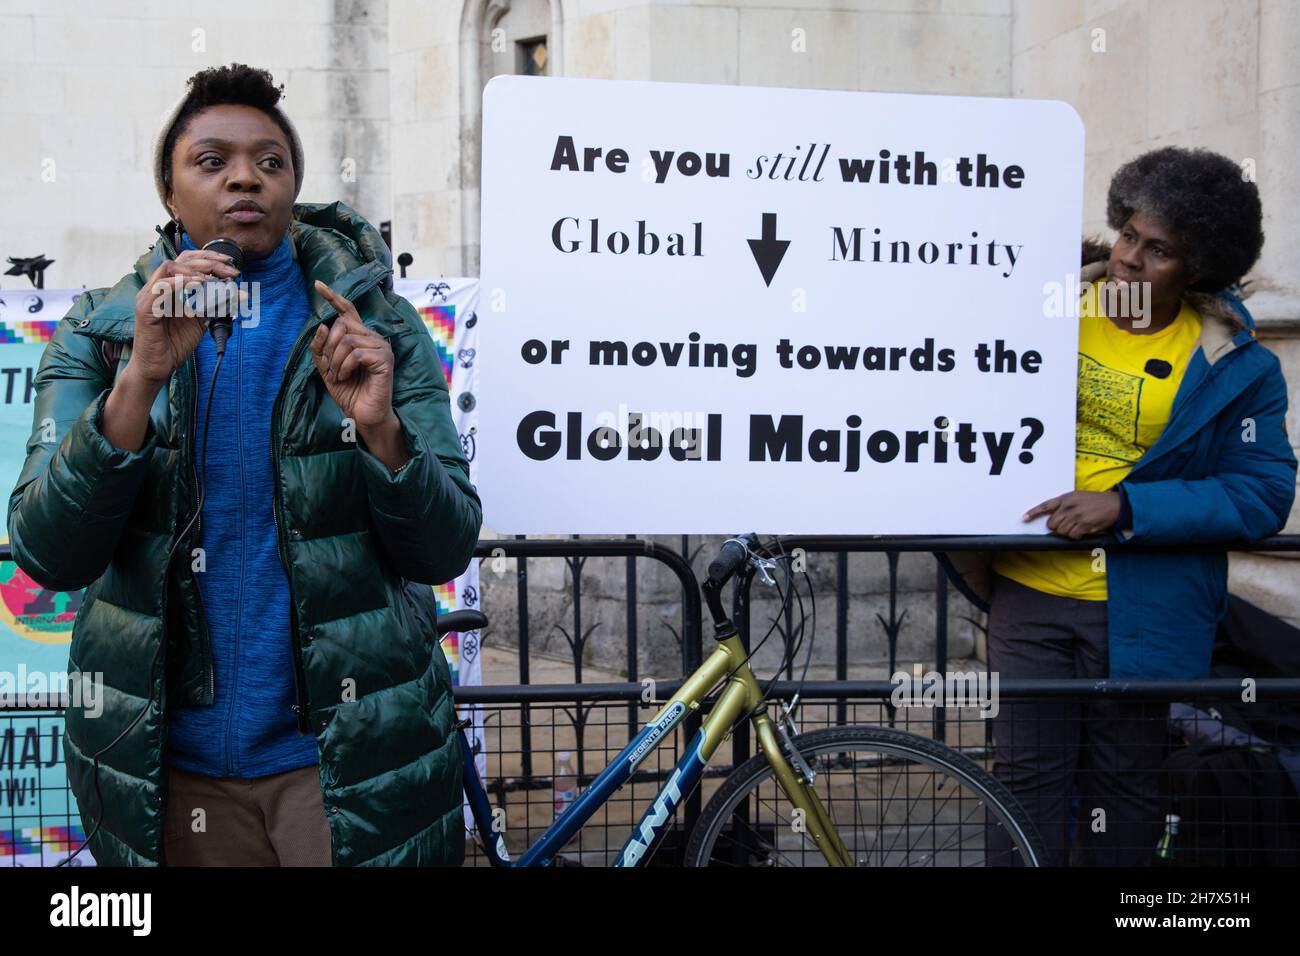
column 1222, row 313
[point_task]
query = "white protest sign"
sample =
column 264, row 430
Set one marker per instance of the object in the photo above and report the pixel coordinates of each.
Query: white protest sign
column 708, row 309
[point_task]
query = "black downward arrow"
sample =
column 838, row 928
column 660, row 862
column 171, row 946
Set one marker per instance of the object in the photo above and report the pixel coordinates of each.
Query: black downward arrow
column 768, row 251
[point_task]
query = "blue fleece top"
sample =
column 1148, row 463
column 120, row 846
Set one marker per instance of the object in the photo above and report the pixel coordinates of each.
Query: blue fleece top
column 250, row 730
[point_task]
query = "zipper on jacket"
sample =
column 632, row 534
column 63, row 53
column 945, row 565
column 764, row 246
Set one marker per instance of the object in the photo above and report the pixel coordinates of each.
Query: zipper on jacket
column 168, row 248
column 194, row 436
column 301, row 706
column 198, row 522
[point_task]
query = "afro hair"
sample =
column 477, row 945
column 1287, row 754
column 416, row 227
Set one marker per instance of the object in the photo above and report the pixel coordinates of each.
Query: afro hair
column 1205, row 199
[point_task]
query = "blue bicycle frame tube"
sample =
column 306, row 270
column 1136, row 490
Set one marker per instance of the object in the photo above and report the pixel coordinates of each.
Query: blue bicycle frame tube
column 686, row 775
column 611, row 778
column 740, row 695
column 498, row 855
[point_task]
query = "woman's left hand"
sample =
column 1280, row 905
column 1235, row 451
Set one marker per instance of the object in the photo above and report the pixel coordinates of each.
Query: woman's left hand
column 1079, row 513
column 356, row 364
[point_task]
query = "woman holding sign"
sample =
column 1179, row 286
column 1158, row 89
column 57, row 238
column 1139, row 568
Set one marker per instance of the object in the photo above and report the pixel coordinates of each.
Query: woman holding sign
column 1181, row 440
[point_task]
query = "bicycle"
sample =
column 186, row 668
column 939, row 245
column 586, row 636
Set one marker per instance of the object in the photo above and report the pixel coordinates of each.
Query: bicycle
column 779, row 807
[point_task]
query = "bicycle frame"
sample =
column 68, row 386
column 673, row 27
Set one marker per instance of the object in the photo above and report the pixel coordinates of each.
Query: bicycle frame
column 741, row 695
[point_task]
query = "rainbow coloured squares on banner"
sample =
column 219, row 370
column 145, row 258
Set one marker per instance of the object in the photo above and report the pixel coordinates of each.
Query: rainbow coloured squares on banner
column 440, row 320
column 20, row 331
column 33, row 839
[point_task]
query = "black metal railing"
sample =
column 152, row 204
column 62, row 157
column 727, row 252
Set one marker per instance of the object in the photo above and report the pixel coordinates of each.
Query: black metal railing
column 527, row 723
column 528, row 798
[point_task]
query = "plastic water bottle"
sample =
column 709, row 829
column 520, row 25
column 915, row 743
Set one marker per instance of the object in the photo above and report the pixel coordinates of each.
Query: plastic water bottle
column 565, row 786
column 1165, row 848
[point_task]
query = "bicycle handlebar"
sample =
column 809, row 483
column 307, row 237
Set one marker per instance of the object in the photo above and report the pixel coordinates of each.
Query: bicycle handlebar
column 730, row 558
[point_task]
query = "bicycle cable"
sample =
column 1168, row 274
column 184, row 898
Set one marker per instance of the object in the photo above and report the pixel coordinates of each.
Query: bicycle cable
column 791, row 644
column 751, row 555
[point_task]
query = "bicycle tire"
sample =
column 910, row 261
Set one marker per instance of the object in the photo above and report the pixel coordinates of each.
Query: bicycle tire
column 942, row 759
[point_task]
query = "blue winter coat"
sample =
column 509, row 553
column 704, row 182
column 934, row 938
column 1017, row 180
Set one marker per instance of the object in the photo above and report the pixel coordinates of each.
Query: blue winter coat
column 1204, row 483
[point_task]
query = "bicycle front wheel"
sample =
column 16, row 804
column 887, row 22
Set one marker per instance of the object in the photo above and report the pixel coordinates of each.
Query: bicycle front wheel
column 895, row 799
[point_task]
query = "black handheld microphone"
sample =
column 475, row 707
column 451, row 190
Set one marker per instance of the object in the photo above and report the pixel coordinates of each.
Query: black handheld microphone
column 221, row 324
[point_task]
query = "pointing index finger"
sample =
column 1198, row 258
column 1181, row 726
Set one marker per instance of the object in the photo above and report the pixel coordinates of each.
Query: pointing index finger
column 342, row 305
column 1043, row 508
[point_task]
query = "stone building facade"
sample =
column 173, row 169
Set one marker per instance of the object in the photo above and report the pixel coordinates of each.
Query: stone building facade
column 387, row 96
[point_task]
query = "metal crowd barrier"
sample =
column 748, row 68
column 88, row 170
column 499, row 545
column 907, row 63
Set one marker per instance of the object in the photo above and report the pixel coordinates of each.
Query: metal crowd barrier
column 528, row 724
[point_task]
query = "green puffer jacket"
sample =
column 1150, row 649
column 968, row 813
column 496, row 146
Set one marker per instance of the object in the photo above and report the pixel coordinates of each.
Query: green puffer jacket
column 354, row 538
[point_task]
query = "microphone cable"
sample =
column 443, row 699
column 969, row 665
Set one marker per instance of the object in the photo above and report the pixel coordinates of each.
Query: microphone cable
column 203, row 460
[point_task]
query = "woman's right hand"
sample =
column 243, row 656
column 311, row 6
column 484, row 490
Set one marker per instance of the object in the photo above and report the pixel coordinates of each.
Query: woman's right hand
column 164, row 335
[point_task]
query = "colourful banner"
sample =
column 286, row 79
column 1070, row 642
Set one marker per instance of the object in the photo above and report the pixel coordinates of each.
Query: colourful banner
column 449, row 310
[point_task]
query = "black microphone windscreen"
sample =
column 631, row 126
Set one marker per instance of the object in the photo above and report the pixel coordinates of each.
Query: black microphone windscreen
column 227, row 247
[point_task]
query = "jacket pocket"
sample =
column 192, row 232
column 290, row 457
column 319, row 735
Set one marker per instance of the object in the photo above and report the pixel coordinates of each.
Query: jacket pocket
column 83, row 610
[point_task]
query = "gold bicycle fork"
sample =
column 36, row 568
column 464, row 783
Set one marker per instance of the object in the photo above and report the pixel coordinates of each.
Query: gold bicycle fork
column 741, row 696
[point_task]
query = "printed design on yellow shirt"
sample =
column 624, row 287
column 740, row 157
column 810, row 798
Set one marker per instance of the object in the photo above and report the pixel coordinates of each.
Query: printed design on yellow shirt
column 1124, row 407
column 1109, row 406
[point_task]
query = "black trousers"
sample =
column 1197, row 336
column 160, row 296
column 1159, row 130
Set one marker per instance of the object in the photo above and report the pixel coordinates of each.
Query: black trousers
column 1110, row 751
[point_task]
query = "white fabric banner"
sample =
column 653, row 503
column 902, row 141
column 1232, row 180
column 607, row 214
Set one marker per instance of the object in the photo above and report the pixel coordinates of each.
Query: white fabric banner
column 449, row 310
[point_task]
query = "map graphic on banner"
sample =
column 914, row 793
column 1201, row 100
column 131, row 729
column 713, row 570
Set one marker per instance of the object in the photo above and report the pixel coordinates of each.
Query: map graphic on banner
column 39, row 824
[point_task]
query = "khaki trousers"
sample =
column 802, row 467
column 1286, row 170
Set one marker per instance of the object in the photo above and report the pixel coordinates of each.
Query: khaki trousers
column 278, row 820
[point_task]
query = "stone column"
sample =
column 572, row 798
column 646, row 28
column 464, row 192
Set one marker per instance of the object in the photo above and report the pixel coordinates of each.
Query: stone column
column 1273, row 581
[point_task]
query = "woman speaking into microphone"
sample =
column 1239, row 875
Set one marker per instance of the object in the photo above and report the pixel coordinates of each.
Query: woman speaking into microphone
column 257, row 530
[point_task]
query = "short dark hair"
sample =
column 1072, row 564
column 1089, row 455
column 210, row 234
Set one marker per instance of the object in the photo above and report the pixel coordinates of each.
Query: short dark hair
column 237, row 84
column 1202, row 196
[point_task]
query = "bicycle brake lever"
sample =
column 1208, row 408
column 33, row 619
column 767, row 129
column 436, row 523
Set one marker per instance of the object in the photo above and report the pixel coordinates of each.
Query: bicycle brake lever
column 761, row 566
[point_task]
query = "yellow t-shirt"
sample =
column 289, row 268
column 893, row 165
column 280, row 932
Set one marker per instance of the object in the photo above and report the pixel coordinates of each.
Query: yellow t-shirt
column 1123, row 408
